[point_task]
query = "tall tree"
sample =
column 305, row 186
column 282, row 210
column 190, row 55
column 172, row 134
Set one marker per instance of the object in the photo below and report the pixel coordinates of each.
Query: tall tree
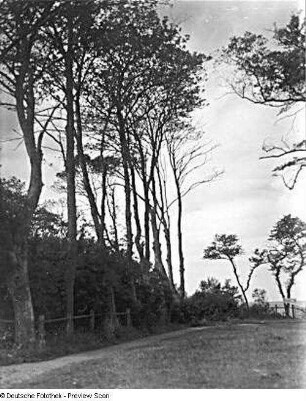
column 70, row 169
column 228, row 248
column 187, row 153
column 65, row 40
column 22, row 70
column 165, row 221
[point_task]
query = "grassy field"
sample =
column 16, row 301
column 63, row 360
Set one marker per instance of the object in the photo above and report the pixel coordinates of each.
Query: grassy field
column 269, row 355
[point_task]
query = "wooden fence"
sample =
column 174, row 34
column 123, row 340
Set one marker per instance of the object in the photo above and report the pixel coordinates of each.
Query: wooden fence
column 124, row 318
column 295, row 312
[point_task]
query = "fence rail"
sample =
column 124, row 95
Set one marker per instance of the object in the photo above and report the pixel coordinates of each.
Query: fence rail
column 62, row 319
column 42, row 322
column 6, row 321
column 294, row 311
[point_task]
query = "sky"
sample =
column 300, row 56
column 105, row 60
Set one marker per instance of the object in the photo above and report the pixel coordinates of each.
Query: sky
column 246, row 200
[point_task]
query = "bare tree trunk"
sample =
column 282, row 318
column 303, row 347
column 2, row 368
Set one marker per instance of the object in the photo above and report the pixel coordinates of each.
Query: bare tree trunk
column 86, row 182
column 147, row 221
column 158, row 263
column 103, row 200
column 142, row 159
column 111, row 322
column 127, row 186
column 23, row 35
column 70, row 168
column 19, row 290
column 180, row 238
column 18, row 283
column 165, row 221
column 239, row 284
column 169, row 255
column 127, row 192
column 280, row 289
column 291, row 280
column 156, row 241
column 113, row 215
column 287, row 305
column 138, row 243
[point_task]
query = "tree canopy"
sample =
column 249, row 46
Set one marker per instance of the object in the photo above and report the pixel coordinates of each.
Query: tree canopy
column 272, row 72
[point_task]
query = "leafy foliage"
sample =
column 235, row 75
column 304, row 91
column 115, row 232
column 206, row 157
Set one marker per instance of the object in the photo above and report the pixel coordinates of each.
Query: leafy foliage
column 273, row 73
column 259, row 296
column 223, row 247
column 260, row 308
column 155, row 301
column 213, row 301
column 12, row 208
column 286, row 252
column 97, row 269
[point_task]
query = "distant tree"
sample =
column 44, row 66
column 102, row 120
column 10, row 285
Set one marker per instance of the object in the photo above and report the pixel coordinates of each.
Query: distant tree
column 260, row 307
column 227, row 247
column 286, row 254
column 273, row 73
column 212, row 285
column 259, row 296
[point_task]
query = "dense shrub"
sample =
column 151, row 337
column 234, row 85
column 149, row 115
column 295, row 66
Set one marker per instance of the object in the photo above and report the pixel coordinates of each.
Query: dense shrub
column 211, row 302
column 260, row 308
column 260, row 311
column 154, row 302
column 97, row 271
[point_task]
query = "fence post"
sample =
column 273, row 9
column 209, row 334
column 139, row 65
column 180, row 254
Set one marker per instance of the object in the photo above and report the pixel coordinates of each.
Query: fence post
column 128, row 318
column 92, row 320
column 275, row 310
column 41, row 332
column 293, row 311
column 69, row 325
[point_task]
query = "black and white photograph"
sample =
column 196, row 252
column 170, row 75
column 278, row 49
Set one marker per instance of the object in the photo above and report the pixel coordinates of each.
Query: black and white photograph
column 152, row 197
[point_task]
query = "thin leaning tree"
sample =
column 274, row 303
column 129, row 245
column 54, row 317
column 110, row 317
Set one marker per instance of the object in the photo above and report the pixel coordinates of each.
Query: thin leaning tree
column 188, row 152
column 227, row 247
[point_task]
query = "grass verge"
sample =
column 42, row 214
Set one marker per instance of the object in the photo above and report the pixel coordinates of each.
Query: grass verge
column 59, row 345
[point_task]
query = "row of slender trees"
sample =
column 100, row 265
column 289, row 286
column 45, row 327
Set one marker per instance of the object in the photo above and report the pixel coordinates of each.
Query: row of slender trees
column 109, row 85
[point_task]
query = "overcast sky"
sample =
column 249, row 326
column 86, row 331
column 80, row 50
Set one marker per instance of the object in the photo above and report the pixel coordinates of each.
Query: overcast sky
column 246, row 200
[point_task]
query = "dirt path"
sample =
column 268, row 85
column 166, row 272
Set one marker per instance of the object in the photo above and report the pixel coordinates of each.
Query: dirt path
column 268, row 355
column 13, row 374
